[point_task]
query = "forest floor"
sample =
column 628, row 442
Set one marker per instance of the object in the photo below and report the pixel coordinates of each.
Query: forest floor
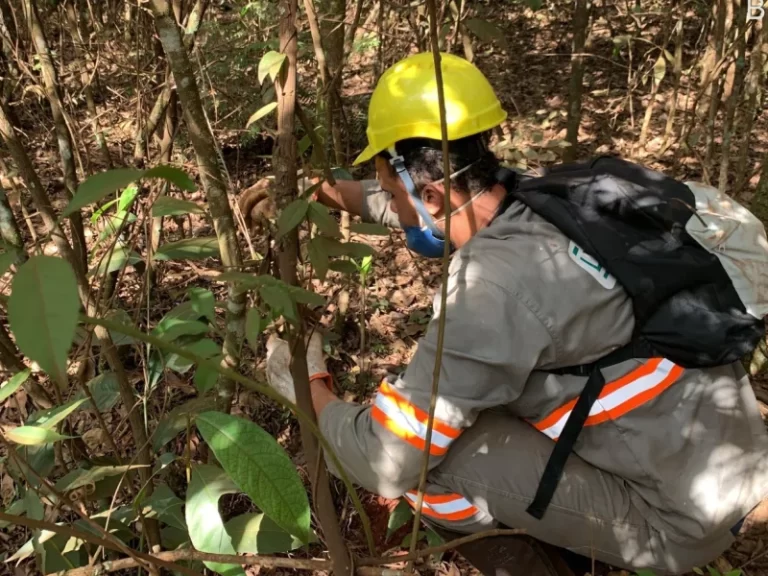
column 531, row 77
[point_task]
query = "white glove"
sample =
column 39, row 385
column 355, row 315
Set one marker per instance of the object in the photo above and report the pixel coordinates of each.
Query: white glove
column 279, row 364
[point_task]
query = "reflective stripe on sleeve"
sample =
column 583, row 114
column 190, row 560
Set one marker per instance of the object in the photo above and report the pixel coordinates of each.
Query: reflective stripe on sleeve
column 619, row 396
column 409, row 422
column 443, row 506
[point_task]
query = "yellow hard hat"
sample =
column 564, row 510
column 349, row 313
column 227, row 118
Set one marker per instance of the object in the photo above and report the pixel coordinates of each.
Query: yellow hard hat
column 404, row 103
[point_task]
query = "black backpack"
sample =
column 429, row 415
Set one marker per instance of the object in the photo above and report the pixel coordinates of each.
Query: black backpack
column 632, row 221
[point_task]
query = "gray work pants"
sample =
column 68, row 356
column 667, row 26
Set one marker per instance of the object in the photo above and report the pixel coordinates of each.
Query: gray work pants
column 497, row 464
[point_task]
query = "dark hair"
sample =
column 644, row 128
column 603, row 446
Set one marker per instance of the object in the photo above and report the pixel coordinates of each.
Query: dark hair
column 424, row 159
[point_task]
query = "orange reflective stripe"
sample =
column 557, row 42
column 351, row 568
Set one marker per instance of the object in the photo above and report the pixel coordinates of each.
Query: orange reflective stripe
column 452, row 507
column 618, row 396
column 409, row 422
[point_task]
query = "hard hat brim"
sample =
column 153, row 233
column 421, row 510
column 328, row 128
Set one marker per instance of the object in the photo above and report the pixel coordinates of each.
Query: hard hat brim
column 365, row 155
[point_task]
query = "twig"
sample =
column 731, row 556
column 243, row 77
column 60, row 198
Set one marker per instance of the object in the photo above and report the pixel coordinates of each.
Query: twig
column 444, row 287
column 496, row 532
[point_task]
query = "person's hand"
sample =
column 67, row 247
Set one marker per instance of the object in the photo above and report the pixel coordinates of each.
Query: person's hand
column 279, row 364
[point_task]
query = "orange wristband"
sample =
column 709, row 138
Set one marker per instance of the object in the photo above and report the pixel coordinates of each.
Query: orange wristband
column 325, row 377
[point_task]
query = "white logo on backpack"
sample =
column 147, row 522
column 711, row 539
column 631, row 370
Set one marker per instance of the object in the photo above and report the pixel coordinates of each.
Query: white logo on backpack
column 591, row 265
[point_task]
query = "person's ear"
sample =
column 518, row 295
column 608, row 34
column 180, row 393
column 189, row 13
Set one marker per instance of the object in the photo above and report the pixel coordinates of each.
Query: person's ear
column 433, row 198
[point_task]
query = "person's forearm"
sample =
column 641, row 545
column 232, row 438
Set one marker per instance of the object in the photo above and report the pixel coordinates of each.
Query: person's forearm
column 345, row 195
column 321, row 396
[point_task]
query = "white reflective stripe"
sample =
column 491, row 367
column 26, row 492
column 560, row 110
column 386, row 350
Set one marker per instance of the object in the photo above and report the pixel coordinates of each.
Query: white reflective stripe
column 619, row 396
column 408, row 421
column 458, row 505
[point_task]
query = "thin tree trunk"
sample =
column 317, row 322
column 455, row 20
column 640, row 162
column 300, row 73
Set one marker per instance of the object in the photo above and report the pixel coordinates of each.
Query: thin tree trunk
column 286, row 186
column 677, row 72
column 107, row 347
column 213, row 182
column 63, row 136
column 733, row 94
column 749, row 111
column 85, row 80
column 717, row 85
column 576, row 87
column 9, row 228
column 128, row 14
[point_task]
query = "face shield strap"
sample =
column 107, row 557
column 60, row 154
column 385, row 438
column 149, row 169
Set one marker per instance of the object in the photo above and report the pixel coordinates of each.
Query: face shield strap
column 398, row 163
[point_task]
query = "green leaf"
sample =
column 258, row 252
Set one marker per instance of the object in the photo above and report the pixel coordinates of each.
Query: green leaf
column 127, row 198
column 341, row 174
column 10, row 386
column 176, row 421
column 434, row 539
column 121, row 257
column 17, row 508
column 260, row 467
column 343, row 266
column 535, row 4
column 353, row 249
column 84, row 477
column 260, row 113
column 279, row 302
column 114, row 222
column 206, row 378
column 321, row 217
column 318, row 258
column 189, row 249
column 399, row 517
column 99, row 212
column 170, row 206
column 270, row 65
column 166, row 506
column 204, row 348
column 6, row 259
column 33, row 505
column 33, row 436
column 173, row 175
column 291, row 216
column 713, row 571
column 105, row 391
column 370, row 229
column 203, row 302
column 176, row 328
column 659, row 69
column 29, row 548
column 43, row 310
column 257, row 534
column 206, row 528
column 486, row 31
column 51, row 417
column 255, row 324
column 95, row 187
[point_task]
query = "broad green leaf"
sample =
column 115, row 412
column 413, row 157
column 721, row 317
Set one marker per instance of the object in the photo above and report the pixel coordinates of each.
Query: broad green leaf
column 354, row 249
column 175, row 328
column 166, row 506
column 170, row 206
column 105, row 391
column 184, row 311
column 176, row 421
column 33, row 505
column 163, row 461
column 189, row 249
column 341, row 174
column 260, row 113
column 29, row 548
column 371, row 229
column 203, row 302
column 258, row 534
column 17, row 508
column 173, row 538
column 96, row 187
column 291, row 216
column 305, row 296
column 255, row 323
column 121, row 257
column 99, row 212
column 84, row 477
column 486, row 31
column 43, row 310
column 41, row 459
column 304, row 143
column 205, row 378
column 535, row 4
column 127, row 197
column 279, row 302
column 712, row 571
column 33, row 436
column 318, row 258
column 260, row 467
column 51, row 417
column 10, row 386
column 659, row 69
column 321, row 217
column 204, row 348
column 343, row 266
column 206, row 528
column 434, row 539
column 270, row 65
column 172, row 175
column 399, row 517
